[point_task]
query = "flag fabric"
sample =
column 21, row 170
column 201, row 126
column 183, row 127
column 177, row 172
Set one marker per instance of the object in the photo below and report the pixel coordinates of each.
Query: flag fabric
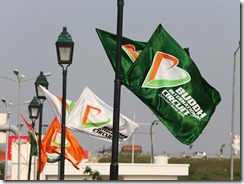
column 33, row 144
column 51, row 143
column 53, row 157
column 56, row 104
column 92, row 116
column 32, row 136
column 131, row 50
column 165, row 78
column 235, row 143
column 30, row 128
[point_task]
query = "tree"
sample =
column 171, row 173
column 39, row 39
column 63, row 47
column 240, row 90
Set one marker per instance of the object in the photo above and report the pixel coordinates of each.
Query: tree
column 222, row 150
column 88, row 172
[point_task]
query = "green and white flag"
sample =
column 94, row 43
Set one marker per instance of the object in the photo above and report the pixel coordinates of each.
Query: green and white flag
column 92, row 116
column 32, row 136
column 33, row 144
column 166, row 79
column 130, row 47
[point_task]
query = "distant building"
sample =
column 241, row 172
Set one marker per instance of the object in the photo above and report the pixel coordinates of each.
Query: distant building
column 2, row 155
column 106, row 152
column 128, row 149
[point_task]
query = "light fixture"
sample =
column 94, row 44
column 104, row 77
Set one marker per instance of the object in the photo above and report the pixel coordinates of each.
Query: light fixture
column 34, row 109
column 64, row 47
column 41, row 80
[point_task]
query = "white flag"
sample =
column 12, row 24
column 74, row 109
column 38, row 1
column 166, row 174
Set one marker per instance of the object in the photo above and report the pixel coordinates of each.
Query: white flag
column 56, row 104
column 236, row 143
column 91, row 115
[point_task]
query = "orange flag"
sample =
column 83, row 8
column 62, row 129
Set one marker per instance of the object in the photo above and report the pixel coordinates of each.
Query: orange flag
column 32, row 131
column 51, row 143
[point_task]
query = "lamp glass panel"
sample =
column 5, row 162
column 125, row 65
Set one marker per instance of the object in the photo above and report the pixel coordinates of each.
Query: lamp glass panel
column 65, row 53
column 40, row 92
column 34, row 112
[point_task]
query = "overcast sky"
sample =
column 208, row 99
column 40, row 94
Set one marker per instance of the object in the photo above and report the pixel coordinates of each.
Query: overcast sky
column 211, row 29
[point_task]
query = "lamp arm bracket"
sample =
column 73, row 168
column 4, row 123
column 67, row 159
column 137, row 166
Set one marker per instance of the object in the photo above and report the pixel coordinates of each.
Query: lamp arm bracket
column 64, row 68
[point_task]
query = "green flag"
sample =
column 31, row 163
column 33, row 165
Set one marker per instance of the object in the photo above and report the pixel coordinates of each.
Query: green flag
column 33, row 144
column 131, row 50
column 166, row 79
column 130, row 47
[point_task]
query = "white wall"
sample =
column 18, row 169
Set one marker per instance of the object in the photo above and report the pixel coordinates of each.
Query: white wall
column 127, row 171
column 24, row 157
column 3, row 120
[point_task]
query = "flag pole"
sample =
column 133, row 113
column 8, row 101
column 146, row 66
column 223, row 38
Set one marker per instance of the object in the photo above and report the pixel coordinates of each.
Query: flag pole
column 30, row 156
column 114, row 168
column 232, row 119
column 133, row 141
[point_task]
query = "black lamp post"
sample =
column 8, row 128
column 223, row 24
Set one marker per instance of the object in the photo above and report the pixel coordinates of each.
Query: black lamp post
column 114, row 167
column 34, row 110
column 41, row 80
column 64, row 47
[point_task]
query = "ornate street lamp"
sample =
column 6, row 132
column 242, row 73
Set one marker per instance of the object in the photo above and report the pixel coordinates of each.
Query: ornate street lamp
column 33, row 110
column 41, row 80
column 64, row 47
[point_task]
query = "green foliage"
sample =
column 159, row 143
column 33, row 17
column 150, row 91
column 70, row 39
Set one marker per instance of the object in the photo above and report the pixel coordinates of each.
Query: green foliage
column 127, row 158
column 222, row 149
column 95, row 175
column 209, row 169
column 199, row 170
column 141, row 158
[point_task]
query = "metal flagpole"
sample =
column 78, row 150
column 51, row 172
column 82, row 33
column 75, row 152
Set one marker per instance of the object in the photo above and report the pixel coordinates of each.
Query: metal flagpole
column 114, row 168
column 232, row 119
column 30, row 156
column 152, row 139
column 133, row 141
